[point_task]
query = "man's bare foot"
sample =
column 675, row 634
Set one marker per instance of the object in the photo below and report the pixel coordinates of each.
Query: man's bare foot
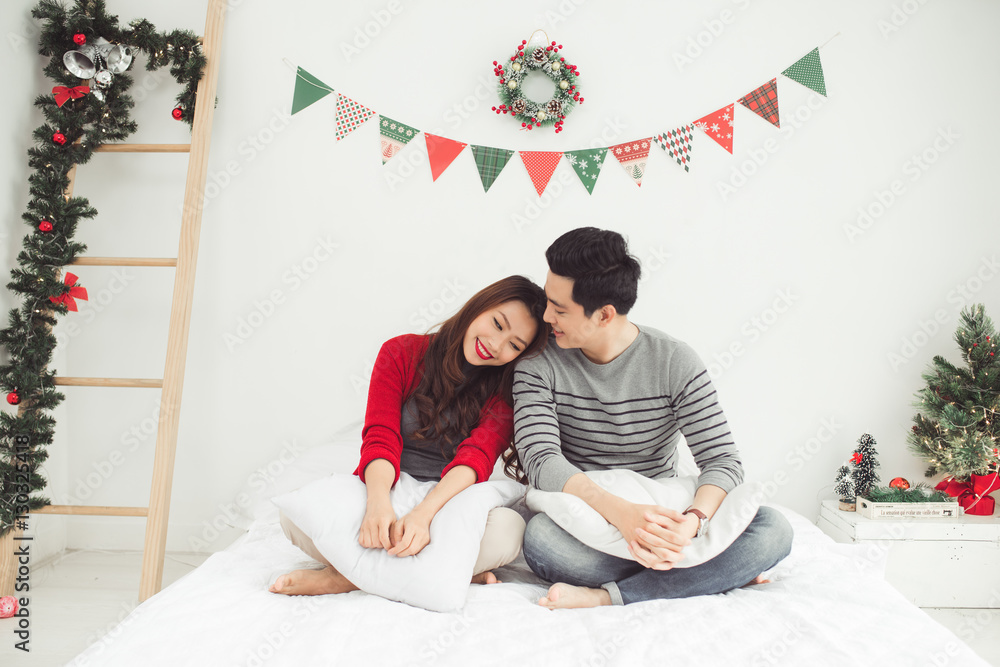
column 312, row 582
column 565, row 596
column 759, row 579
column 485, row 578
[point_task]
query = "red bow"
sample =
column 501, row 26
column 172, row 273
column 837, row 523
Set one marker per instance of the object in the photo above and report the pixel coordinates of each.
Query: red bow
column 856, row 458
column 973, row 495
column 75, row 292
column 64, row 94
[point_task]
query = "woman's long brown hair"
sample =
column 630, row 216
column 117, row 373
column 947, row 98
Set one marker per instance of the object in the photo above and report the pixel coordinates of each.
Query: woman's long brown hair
column 441, row 387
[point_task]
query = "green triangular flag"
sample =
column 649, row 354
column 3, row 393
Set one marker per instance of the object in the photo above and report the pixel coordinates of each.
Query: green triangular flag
column 490, row 162
column 394, row 136
column 308, row 89
column 587, row 164
column 809, row 72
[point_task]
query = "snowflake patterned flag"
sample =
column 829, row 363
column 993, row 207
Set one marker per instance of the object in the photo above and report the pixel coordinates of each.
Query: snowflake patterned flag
column 350, row 115
column 764, row 102
column 308, row 89
column 808, row 71
column 394, row 136
column 587, row 165
column 719, row 126
column 540, row 165
column 490, row 162
column 441, row 152
column 677, row 144
column 633, row 155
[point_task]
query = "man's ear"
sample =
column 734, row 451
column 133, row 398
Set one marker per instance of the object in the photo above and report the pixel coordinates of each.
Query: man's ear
column 607, row 315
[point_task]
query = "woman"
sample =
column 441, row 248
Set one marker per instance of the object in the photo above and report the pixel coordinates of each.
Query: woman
column 439, row 408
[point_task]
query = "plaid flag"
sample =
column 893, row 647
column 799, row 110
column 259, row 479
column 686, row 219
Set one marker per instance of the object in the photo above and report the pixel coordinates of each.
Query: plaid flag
column 490, row 162
column 764, row 102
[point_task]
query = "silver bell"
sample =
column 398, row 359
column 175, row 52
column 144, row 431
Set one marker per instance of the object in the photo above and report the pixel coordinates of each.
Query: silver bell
column 88, row 60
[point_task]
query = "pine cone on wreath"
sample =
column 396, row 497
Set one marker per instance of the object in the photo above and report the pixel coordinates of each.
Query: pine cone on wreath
column 553, row 108
column 518, row 106
column 539, row 57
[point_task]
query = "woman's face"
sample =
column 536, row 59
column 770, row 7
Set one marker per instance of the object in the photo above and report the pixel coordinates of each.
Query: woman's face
column 499, row 335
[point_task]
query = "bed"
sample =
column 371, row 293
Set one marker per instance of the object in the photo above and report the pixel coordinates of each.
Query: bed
column 828, row 605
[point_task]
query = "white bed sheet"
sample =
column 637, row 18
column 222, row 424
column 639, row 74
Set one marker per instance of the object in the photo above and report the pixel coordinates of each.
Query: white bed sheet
column 828, row 605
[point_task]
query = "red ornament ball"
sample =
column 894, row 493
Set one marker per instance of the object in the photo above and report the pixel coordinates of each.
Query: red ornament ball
column 177, row 113
column 13, row 398
column 79, row 39
column 899, row 483
column 45, row 226
column 59, row 138
column 8, row 606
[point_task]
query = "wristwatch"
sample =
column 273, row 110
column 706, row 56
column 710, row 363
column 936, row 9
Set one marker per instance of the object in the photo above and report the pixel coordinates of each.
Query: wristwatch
column 702, row 520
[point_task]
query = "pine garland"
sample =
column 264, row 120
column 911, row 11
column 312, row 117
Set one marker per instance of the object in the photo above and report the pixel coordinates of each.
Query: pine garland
column 956, row 428
column 84, row 124
column 921, row 493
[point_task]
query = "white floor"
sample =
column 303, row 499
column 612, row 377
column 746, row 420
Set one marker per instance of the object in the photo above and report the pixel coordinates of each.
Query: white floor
column 80, row 596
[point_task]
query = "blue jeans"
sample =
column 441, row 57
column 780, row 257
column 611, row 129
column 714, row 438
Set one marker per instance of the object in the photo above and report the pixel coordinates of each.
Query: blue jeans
column 555, row 555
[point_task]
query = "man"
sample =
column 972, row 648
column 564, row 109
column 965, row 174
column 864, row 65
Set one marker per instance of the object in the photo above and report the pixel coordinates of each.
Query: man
column 609, row 394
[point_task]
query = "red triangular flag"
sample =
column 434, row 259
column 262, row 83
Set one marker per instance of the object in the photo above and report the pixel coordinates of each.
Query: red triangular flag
column 441, row 152
column 350, row 115
column 719, row 126
column 764, row 102
column 540, row 165
column 632, row 155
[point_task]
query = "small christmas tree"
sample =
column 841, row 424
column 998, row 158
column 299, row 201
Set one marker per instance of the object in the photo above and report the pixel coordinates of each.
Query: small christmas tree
column 956, row 427
column 865, row 462
column 844, row 487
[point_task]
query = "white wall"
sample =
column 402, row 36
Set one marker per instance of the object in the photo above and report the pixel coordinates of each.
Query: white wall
column 798, row 395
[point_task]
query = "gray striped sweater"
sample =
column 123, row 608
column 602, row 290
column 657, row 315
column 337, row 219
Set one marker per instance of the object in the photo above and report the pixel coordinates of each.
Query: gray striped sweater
column 571, row 414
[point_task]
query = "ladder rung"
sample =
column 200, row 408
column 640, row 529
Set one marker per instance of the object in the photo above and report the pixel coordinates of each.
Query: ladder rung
column 93, row 510
column 108, row 382
column 124, row 261
column 143, row 148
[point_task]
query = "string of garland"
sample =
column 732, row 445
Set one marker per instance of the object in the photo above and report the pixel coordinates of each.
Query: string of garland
column 921, row 493
column 68, row 137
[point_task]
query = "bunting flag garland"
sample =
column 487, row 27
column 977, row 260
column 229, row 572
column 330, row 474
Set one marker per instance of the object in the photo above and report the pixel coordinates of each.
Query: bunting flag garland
column 677, row 144
column 719, row 126
column 394, row 135
column 350, row 115
column 587, row 164
column 764, row 102
column 540, row 165
column 808, row 70
column 308, row 89
column 441, row 152
column 632, row 155
column 490, row 162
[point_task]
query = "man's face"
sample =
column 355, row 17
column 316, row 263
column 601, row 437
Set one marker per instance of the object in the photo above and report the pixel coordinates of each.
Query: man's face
column 570, row 325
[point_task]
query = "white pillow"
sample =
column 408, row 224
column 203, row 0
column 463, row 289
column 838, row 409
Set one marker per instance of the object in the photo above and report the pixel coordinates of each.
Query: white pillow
column 586, row 524
column 330, row 511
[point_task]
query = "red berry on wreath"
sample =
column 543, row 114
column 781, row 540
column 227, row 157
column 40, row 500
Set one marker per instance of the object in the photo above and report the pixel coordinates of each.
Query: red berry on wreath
column 79, row 39
column 899, row 483
column 13, row 398
column 45, row 226
column 59, row 138
column 494, row 62
column 177, row 113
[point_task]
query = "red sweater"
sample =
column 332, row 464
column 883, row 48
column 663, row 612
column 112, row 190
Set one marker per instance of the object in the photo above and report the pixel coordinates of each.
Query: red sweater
column 398, row 369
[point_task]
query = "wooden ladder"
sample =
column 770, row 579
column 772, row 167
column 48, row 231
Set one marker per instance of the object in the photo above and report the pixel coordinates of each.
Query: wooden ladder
column 172, row 382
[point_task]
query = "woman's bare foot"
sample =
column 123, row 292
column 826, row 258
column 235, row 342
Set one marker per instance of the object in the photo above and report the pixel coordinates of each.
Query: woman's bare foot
column 312, row 582
column 565, row 596
column 485, row 578
column 759, row 579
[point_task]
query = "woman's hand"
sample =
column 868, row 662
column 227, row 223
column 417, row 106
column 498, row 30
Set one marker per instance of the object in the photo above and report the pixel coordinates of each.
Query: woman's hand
column 376, row 527
column 411, row 533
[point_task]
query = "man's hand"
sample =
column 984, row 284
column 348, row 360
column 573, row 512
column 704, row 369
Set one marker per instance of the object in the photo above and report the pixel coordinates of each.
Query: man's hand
column 411, row 534
column 656, row 536
column 377, row 525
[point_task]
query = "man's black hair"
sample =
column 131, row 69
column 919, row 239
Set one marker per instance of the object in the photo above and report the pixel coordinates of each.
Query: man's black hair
column 600, row 266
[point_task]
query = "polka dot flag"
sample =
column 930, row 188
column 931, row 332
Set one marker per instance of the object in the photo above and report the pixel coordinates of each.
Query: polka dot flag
column 540, row 165
column 808, row 70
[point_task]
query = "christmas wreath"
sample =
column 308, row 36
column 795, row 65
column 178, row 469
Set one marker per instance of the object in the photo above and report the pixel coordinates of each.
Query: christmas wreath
column 536, row 56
